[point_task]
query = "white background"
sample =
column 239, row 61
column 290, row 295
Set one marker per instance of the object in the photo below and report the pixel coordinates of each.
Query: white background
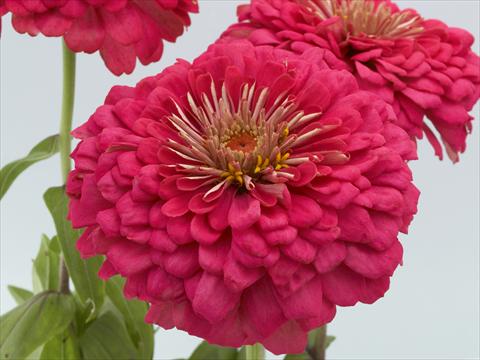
column 432, row 309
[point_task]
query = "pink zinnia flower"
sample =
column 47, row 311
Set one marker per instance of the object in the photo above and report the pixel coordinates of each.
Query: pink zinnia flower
column 122, row 30
column 421, row 67
column 245, row 195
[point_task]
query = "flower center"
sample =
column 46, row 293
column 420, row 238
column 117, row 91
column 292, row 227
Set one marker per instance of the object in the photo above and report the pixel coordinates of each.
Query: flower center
column 244, row 142
column 368, row 18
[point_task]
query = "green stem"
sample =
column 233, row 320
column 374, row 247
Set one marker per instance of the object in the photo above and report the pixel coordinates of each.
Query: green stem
column 67, row 110
column 65, row 141
column 254, row 352
column 317, row 341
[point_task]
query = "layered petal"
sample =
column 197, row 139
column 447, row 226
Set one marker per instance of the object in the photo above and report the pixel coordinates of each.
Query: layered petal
column 121, row 30
column 242, row 209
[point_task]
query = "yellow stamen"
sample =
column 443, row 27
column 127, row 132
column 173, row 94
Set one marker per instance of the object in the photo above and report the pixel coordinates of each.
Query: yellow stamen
column 259, row 160
column 233, row 174
column 261, row 164
column 281, row 158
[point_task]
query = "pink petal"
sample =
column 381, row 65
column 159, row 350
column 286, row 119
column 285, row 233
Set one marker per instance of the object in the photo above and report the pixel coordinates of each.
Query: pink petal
column 304, row 212
column 375, row 289
column 238, row 277
column 161, row 314
column 330, row 256
column 213, row 300
column 124, row 26
column 343, row 287
column 212, row 258
column 109, row 221
column 156, row 218
column 304, row 303
column 132, row 213
column 85, row 245
column 52, row 23
column 374, row 264
column 244, row 212
column 178, row 229
column 160, row 240
column 83, row 212
column 162, row 286
column 251, row 242
column 107, row 271
column 202, row 232
column 183, row 262
column 118, row 58
column 282, row 236
column 261, row 307
column 287, row 339
column 272, row 219
column 300, row 250
column 129, row 258
column 86, row 33
column 218, row 217
column 177, row 206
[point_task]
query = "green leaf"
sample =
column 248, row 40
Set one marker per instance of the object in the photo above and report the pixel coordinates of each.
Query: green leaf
column 36, row 354
column 133, row 312
column 43, row 150
column 25, row 328
column 54, row 245
column 19, row 295
column 83, row 272
column 212, row 352
column 106, row 338
column 61, row 347
column 46, row 267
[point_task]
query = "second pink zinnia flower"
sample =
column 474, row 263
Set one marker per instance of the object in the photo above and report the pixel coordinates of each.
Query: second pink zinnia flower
column 245, row 195
column 422, row 67
column 122, row 30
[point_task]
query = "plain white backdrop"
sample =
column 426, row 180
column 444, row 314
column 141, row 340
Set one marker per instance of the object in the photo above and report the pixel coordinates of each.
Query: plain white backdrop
column 432, row 308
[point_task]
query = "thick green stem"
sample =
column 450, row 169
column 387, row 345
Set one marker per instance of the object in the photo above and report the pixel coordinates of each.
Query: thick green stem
column 65, row 141
column 67, row 110
column 254, row 352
